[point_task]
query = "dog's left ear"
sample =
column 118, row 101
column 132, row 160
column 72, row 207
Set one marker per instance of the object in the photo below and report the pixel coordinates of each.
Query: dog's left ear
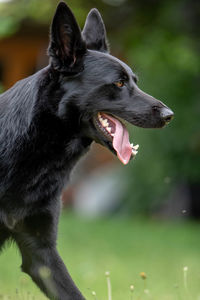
column 94, row 32
column 66, row 48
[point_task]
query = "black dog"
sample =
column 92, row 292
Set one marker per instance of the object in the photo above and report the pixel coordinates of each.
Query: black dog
column 47, row 122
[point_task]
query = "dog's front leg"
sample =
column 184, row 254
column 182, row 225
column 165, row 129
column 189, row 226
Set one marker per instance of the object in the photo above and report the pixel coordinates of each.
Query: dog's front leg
column 4, row 235
column 47, row 270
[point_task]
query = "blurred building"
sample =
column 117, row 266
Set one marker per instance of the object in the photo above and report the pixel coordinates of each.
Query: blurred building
column 23, row 53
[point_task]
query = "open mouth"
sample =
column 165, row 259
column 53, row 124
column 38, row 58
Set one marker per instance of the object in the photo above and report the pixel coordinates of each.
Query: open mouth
column 114, row 131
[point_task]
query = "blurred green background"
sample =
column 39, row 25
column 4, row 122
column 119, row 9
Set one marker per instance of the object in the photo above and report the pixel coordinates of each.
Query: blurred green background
column 160, row 40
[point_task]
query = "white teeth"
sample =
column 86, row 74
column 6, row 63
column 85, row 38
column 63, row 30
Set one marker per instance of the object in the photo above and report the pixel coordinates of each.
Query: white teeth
column 112, row 134
column 134, row 152
column 107, row 124
column 104, row 122
column 100, row 117
column 135, row 147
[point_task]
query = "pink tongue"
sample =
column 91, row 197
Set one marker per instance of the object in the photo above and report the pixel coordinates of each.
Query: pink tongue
column 121, row 141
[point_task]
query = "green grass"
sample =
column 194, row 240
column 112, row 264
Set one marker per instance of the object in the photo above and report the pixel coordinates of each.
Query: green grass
column 123, row 247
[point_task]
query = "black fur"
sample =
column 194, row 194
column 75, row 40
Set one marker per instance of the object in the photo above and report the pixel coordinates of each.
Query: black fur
column 46, row 124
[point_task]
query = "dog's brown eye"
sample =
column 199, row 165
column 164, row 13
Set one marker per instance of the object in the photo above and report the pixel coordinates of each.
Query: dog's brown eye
column 119, row 83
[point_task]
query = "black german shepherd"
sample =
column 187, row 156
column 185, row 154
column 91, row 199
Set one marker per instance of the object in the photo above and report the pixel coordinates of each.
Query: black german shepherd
column 49, row 120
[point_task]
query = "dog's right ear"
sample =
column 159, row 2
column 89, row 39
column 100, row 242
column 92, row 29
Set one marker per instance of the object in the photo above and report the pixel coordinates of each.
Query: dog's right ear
column 66, row 48
column 94, row 32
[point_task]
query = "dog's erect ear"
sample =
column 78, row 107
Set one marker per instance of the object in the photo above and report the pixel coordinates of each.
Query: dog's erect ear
column 66, row 48
column 94, row 32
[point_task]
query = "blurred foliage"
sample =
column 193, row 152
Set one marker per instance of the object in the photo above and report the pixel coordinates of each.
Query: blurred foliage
column 160, row 39
column 14, row 13
column 167, row 57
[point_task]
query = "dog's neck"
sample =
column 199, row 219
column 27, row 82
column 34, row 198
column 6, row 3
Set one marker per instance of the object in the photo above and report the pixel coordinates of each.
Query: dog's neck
column 47, row 142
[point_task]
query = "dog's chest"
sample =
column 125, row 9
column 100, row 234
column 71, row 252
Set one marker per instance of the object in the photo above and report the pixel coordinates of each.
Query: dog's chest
column 37, row 193
column 42, row 176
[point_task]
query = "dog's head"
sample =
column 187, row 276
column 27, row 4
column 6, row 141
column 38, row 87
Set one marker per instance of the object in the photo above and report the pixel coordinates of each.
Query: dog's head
column 100, row 89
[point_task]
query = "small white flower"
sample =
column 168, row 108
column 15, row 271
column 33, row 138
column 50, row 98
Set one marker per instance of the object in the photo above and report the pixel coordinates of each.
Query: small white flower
column 107, row 273
column 132, row 287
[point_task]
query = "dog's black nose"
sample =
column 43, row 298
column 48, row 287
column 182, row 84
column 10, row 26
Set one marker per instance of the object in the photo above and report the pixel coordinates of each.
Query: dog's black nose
column 167, row 114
